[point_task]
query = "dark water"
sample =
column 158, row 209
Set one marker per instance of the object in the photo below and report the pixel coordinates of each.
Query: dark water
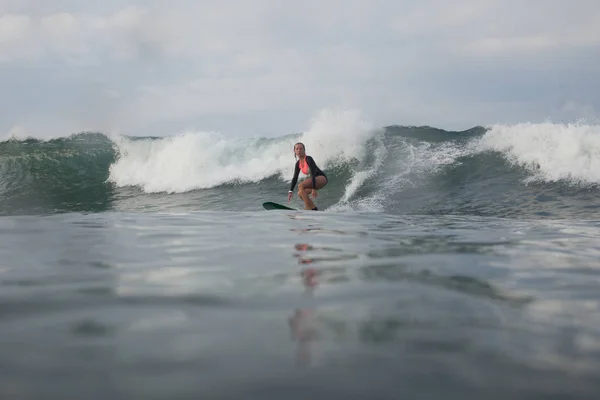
column 445, row 265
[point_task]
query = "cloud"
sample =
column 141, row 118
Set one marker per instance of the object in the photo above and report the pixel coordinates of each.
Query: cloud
column 180, row 64
column 502, row 28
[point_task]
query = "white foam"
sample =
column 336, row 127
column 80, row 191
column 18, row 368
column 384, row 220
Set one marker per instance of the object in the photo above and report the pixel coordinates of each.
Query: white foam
column 338, row 136
column 17, row 132
column 342, row 137
column 373, row 203
column 197, row 160
column 194, row 160
column 551, row 152
column 414, row 161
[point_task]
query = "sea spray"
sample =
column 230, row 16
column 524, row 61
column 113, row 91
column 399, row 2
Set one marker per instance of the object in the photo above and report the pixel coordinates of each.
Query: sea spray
column 550, row 152
column 200, row 160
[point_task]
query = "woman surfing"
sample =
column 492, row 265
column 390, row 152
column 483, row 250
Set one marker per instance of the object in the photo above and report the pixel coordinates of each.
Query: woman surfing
column 317, row 178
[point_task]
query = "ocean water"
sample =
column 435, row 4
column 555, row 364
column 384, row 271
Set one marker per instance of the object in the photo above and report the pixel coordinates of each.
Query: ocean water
column 455, row 265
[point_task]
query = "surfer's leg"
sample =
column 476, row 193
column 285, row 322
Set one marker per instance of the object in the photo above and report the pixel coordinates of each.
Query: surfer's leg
column 321, row 181
column 304, row 189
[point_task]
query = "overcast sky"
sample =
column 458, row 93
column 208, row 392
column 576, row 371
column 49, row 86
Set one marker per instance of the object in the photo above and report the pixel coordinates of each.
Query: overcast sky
column 266, row 67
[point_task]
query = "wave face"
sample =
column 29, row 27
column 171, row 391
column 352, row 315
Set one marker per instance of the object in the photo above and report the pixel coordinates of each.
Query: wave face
column 521, row 171
column 63, row 174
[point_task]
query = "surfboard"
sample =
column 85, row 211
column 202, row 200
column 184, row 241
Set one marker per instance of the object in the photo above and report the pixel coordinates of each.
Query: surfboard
column 269, row 205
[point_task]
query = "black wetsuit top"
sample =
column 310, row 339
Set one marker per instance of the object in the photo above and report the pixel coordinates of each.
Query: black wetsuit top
column 314, row 172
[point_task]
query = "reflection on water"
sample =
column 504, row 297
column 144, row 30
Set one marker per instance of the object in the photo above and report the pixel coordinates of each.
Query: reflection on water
column 303, row 325
column 304, row 333
column 408, row 319
column 340, row 254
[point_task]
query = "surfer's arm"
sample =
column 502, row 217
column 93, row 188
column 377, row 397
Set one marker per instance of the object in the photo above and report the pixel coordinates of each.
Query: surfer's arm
column 295, row 178
column 313, row 170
